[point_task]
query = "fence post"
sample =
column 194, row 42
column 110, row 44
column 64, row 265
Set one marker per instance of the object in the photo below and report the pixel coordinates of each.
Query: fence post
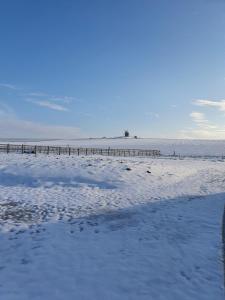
column 69, row 151
column 8, row 148
column 35, row 150
column 78, row 151
column 59, row 150
column 86, row 151
column 22, row 149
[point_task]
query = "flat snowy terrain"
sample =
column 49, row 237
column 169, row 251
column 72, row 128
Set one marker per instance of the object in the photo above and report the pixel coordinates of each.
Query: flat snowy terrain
column 90, row 228
column 166, row 146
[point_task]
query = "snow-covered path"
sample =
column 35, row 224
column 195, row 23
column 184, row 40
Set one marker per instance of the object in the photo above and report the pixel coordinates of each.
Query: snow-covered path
column 90, row 228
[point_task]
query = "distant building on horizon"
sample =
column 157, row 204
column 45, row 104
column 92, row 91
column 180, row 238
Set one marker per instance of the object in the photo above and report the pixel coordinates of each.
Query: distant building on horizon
column 126, row 133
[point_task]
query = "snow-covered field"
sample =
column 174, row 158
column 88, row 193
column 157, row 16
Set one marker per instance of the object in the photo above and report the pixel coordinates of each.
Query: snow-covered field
column 90, row 228
column 166, row 146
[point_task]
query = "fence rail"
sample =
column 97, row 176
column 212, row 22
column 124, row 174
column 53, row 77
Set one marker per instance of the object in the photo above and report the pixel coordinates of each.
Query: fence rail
column 34, row 149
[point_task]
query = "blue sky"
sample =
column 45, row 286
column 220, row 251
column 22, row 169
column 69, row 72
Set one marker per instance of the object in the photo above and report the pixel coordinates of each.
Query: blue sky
column 74, row 68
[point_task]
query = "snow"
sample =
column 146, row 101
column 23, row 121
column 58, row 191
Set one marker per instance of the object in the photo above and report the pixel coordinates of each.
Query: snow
column 90, row 228
column 166, row 146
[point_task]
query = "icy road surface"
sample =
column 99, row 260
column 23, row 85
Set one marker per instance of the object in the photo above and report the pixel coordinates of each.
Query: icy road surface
column 90, row 228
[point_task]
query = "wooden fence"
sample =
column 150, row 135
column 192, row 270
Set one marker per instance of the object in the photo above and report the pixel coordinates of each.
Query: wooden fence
column 32, row 149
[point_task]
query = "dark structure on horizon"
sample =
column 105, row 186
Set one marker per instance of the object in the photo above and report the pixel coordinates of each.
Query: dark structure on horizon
column 126, row 133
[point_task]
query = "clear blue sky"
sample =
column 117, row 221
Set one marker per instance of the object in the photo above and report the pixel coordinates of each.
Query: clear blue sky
column 73, row 68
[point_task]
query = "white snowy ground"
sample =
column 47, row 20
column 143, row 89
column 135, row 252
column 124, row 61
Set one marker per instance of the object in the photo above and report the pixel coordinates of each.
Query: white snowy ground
column 88, row 228
column 166, row 146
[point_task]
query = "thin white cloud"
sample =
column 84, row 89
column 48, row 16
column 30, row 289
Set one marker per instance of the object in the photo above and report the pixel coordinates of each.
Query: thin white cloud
column 48, row 104
column 37, row 94
column 6, row 110
column 209, row 103
column 88, row 115
column 64, row 99
column 53, row 98
column 198, row 117
column 200, row 120
column 152, row 114
column 202, row 134
column 43, row 99
column 13, row 127
column 8, row 86
column 16, row 128
column 202, row 129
